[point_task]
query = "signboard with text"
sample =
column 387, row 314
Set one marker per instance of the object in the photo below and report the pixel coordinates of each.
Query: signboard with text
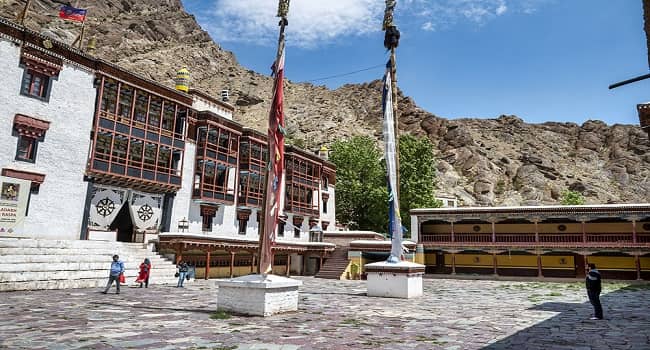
column 14, row 195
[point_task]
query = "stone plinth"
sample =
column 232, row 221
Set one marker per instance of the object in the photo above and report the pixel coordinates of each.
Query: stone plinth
column 258, row 296
column 394, row 280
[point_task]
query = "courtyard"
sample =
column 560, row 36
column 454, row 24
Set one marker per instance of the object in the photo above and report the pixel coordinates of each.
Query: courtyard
column 452, row 314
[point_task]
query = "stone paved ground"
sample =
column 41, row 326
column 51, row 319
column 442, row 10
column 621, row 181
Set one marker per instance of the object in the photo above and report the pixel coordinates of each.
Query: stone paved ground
column 453, row 314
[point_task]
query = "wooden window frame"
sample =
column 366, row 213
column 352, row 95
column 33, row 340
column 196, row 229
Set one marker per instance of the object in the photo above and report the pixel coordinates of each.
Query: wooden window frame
column 151, row 157
column 43, row 92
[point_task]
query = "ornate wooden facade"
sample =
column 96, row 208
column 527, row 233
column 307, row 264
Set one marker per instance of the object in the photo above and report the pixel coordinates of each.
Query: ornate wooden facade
column 553, row 241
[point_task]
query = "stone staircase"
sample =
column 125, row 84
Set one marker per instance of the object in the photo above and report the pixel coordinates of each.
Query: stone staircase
column 335, row 265
column 28, row 264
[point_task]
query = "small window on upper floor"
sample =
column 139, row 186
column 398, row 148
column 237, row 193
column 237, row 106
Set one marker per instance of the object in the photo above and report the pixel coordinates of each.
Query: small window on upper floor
column 35, row 85
column 26, row 150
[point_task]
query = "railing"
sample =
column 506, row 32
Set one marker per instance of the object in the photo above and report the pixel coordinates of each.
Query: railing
column 545, row 239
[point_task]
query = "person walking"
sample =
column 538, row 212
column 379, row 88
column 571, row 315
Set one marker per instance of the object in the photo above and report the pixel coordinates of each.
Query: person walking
column 117, row 269
column 145, row 271
column 593, row 282
column 182, row 272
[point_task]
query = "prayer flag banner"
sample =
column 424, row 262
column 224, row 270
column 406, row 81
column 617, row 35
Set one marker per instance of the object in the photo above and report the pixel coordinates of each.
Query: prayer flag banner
column 275, row 168
column 72, row 14
column 13, row 205
column 394, row 220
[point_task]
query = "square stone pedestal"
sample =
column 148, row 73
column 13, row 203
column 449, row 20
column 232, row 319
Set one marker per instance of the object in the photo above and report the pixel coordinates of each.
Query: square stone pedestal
column 255, row 295
column 394, row 280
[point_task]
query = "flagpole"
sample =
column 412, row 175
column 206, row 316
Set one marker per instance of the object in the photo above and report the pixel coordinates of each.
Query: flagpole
column 266, row 255
column 24, row 14
column 388, row 22
column 81, row 36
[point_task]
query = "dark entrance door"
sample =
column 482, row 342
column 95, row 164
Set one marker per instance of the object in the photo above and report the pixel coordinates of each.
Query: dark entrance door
column 123, row 224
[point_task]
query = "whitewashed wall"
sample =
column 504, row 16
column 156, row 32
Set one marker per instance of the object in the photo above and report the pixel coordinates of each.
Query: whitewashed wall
column 181, row 205
column 57, row 210
column 201, row 104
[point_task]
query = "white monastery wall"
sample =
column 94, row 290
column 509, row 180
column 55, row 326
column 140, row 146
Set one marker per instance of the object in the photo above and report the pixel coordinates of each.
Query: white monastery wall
column 203, row 105
column 56, row 212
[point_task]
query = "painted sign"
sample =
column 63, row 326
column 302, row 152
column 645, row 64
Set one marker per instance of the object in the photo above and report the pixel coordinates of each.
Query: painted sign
column 14, row 195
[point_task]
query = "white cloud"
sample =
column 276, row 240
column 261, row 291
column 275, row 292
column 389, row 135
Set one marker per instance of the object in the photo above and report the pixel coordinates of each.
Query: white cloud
column 318, row 22
column 310, row 22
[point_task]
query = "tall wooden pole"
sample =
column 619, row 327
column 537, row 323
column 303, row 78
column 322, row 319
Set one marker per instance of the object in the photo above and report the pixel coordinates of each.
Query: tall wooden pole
column 388, row 23
column 81, row 36
column 23, row 15
column 283, row 10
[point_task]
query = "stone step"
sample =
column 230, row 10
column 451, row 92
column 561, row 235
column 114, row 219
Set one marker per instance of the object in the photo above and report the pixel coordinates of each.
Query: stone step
column 46, row 243
column 55, row 251
column 81, row 283
column 74, row 257
column 22, row 276
column 72, row 266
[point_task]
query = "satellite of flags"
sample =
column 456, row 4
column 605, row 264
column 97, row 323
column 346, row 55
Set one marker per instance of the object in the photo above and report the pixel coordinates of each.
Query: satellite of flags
column 395, row 229
column 276, row 167
column 70, row 13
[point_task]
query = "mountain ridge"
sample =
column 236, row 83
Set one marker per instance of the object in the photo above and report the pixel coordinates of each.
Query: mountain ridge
column 498, row 161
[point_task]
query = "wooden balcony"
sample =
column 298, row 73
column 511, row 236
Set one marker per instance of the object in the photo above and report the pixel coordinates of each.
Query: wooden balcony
column 545, row 240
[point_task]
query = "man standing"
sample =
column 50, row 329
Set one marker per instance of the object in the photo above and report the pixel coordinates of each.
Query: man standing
column 593, row 283
column 117, row 268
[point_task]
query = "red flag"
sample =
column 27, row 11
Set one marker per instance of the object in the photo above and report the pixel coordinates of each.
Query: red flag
column 275, row 169
column 72, row 14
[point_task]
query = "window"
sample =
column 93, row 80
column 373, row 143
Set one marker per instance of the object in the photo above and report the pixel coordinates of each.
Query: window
column 35, row 84
column 296, row 232
column 280, row 228
column 141, row 102
column 169, row 115
column 324, row 206
column 242, row 226
column 207, row 223
column 126, row 99
column 155, row 109
column 109, row 96
column 26, row 149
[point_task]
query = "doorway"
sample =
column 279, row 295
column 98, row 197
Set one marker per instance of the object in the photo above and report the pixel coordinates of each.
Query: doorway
column 124, row 225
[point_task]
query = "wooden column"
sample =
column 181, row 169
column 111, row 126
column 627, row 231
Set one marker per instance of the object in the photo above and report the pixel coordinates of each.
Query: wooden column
column 584, row 235
column 536, row 232
column 453, row 263
column 494, row 232
column 288, row 263
column 179, row 254
column 494, row 263
column 586, row 264
column 207, row 265
column 232, row 263
column 252, row 262
column 634, row 239
column 539, row 265
column 304, row 264
column 320, row 264
column 453, row 239
column 637, row 262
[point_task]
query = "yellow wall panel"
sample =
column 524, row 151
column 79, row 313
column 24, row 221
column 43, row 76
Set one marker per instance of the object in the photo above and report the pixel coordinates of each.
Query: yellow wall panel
column 430, row 259
column 517, row 261
column 613, row 262
column 479, row 260
column 559, row 262
column 645, row 263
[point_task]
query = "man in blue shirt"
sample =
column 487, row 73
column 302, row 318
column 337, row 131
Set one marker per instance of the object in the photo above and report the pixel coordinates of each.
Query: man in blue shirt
column 117, row 268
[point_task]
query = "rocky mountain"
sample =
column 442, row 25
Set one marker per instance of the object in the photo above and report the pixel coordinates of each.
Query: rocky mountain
column 502, row 161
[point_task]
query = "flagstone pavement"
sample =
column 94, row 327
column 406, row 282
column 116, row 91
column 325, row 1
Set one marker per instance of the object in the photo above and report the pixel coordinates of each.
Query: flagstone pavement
column 452, row 314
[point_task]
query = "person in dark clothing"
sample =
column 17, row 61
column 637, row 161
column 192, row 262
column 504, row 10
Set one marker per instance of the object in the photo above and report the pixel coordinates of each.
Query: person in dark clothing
column 183, row 268
column 593, row 282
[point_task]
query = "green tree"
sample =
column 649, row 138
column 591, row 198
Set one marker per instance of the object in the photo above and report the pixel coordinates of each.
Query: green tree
column 361, row 190
column 360, row 184
column 417, row 176
column 572, row 198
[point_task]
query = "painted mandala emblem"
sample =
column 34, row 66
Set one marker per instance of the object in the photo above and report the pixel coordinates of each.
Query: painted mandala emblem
column 145, row 212
column 105, row 207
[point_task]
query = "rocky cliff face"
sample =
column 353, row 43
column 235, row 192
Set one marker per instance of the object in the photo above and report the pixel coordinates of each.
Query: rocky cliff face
column 501, row 161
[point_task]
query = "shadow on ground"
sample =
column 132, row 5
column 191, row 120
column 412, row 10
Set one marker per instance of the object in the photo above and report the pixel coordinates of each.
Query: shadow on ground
column 625, row 325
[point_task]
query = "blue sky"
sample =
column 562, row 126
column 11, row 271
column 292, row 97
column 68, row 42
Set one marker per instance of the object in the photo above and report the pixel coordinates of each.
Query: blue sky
column 542, row 60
